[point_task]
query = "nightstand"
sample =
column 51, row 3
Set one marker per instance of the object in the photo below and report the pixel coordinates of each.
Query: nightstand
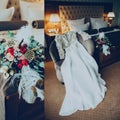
column 49, row 37
column 104, row 60
column 109, row 59
column 114, row 55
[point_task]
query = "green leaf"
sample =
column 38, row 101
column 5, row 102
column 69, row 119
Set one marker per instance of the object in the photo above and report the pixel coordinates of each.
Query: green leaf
column 10, row 34
column 41, row 64
column 2, row 48
column 7, row 63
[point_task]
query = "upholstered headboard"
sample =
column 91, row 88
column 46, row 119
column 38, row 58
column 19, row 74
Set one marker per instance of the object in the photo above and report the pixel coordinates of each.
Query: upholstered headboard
column 15, row 3
column 76, row 12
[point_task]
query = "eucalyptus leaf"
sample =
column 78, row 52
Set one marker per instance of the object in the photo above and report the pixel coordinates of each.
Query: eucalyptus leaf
column 41, row 64
column 10, row 34
column 36, row 67
column 7, row 63
column 2, row 48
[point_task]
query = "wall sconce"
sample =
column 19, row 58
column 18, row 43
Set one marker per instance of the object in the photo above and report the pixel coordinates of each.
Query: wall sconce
column 54, row 18
column 111, row 15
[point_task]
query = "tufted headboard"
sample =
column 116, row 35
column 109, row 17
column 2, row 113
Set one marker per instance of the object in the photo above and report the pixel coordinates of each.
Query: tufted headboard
column 78, row 12
column 74, row 10
column 15, row 3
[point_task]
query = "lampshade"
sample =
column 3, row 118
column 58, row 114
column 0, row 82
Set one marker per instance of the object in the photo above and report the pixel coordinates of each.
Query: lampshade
column 111, row 15
column 54, row 18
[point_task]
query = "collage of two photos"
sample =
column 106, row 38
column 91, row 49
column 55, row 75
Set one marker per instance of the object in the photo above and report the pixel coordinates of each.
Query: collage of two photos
column 59, row 60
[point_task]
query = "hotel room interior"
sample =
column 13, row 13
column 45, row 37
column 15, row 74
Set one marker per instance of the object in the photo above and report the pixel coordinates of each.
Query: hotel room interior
column 58, row 13
column 15, row 14
column 49, row 18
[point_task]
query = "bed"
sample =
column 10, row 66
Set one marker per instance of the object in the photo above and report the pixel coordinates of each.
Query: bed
column 11, row 20
column 88, row 17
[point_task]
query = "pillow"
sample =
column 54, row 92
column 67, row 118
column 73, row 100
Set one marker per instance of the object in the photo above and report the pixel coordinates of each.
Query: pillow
column 79, row 27
column 91, row 31
column 3, row 4
column 31, row 10
column 115, row 27
column 106, row 29
column 35, row 13
column 74, row 22
column 101, row 24
column 7, row 14
column 93, row 22
column 11, row 25
column 97, row 23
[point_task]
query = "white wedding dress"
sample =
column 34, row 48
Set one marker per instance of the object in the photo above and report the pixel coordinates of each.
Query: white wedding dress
column 85, row 88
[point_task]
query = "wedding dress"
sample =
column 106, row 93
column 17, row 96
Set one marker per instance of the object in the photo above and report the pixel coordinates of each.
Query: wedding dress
column 85, row 88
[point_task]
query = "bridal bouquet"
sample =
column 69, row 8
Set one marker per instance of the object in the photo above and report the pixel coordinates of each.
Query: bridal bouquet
column 103, row 43
column 21, row 58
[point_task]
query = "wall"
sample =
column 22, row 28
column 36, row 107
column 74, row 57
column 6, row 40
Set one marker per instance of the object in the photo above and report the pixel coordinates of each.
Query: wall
column 116, row 8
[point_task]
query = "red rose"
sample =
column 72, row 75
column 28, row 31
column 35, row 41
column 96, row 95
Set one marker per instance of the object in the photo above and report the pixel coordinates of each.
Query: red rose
column 10, row 50
column 25, row 62
column 23, row 48
column 22, row 62
column 20, row 65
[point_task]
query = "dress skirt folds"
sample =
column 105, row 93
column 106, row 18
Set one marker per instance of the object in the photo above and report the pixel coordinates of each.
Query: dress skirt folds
column 85, row 88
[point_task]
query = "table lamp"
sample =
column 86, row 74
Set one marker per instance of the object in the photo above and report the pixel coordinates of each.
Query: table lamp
column 54, row 18
column 111, row 15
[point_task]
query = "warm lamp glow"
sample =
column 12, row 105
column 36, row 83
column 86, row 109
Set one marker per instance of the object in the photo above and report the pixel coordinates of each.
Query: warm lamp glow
column 54, row 18
column 111, row 15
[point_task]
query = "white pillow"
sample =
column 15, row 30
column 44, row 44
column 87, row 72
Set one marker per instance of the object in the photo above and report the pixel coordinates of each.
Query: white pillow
column 7, row 14
column 75, row 22
column 35, row 13
column 29, row 9
column 101, row 24
column 97, row 23
column 3, row 4
column 79, row 27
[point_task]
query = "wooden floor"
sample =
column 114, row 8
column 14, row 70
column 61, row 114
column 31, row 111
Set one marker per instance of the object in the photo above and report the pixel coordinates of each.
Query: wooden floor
column 18, row 109
column 108, row 109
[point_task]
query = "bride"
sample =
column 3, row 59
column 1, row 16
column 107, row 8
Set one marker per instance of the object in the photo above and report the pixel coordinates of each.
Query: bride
column 85, row 88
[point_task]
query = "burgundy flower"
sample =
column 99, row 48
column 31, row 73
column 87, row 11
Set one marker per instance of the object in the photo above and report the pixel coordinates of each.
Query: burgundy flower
column 10, row 50
column 99, row 41
column 22, row 62
column 20, row 65
column 23, row 48
column 25, row 62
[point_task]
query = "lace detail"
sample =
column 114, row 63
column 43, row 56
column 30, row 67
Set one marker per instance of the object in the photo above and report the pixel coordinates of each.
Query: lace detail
column 63, row 41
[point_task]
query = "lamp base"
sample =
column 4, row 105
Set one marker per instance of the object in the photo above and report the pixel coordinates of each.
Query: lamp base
column 54, row 30
column 110, row 23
